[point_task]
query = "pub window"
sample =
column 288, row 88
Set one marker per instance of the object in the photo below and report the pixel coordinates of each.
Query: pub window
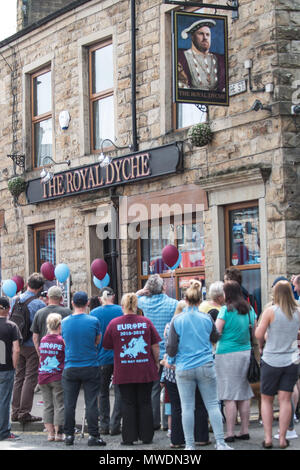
column 189, row 240
column 44, row 244
column 186, row 115
column 41, row 118
column 243, row 245
column 101, row 90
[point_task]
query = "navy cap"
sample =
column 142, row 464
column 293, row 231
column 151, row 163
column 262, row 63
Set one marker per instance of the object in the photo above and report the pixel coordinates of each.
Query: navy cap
column 4, row 303
column 80, row 298
column 279, row 278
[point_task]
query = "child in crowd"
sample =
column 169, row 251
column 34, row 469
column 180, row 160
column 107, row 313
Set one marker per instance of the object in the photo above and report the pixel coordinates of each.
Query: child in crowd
column 52, row 356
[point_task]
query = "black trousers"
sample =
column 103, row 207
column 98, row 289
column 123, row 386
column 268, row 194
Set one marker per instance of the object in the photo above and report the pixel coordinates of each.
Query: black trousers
column 72, row 380
column 136, row 412
column 201, row 431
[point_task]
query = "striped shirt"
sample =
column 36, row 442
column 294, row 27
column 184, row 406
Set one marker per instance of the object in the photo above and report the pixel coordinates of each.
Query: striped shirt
column 159, row 309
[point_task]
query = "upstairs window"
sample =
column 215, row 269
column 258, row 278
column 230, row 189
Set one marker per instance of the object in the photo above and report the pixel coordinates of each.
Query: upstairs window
column 101, row 86
column 41, row 97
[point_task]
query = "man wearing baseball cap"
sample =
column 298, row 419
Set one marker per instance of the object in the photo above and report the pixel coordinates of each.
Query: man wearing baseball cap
column 198, row 68
column 39, row 324
column 81, row 333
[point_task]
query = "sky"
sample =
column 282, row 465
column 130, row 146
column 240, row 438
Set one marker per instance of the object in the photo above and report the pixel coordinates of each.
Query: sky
column 8, row 18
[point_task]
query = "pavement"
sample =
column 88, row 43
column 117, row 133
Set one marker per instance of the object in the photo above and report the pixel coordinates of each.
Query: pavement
column 33, row 436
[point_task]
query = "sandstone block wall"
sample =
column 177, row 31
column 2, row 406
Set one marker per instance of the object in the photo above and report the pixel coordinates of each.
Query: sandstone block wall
column 266, row 32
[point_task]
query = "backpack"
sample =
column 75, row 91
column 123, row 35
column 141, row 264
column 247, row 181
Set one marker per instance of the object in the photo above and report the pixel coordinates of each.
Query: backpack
column 20, row 315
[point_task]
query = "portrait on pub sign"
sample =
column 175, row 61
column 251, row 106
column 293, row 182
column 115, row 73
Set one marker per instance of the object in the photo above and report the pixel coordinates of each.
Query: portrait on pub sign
column 200, row 58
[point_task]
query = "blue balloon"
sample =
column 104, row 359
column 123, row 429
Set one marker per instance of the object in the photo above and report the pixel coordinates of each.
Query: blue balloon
column 177, row 262
column 97, row 282
column 100, row 283
column 62, row 272
column 9, row 288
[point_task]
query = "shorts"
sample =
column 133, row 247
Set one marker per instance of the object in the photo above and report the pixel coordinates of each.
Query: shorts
column 273, row 379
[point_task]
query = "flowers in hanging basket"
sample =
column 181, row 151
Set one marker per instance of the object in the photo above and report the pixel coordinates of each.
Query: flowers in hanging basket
column 16, row 186
column 200, row 134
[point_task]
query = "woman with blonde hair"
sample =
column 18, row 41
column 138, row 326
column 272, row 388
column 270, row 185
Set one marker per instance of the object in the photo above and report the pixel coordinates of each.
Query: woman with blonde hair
column 135, row 342
column 52, row 358
column 277, row 334
column 190, row 340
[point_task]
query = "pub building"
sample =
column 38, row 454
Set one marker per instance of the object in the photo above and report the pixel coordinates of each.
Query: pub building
column 107, row 66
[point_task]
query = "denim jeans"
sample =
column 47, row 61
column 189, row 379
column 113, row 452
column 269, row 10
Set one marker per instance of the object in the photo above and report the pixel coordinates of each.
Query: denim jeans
column 205, row 378
column 106, row 422
column 6, row 388
column 72, row 380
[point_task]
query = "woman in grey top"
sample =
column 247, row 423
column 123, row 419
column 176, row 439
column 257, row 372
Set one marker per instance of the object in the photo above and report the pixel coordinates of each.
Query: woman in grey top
column 277, row 335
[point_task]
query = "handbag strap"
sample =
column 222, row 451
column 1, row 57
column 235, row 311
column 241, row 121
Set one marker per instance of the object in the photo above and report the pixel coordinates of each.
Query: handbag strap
column 250, row 330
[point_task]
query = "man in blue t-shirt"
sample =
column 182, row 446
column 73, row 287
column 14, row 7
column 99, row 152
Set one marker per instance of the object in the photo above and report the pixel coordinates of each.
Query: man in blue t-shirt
column 105, row 313
column 81, row 334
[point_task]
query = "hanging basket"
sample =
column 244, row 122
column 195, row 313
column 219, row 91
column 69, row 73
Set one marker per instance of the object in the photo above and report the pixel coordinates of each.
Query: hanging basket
column 16, row 186
column 200, row 134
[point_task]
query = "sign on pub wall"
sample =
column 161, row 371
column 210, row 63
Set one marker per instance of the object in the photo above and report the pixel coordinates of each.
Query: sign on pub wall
column 200, row 58
column 122, row 170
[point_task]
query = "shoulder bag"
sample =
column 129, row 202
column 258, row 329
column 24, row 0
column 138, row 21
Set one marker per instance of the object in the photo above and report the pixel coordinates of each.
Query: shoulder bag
column 254, row 368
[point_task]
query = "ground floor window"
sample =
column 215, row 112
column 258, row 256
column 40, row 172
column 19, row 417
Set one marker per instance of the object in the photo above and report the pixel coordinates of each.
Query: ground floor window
column 243, row 245
column 44, row 244
column 188, row 237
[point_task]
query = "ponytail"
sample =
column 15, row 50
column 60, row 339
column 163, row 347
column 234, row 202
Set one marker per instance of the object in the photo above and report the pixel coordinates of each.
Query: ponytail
column 129, row 302
column 193, row 293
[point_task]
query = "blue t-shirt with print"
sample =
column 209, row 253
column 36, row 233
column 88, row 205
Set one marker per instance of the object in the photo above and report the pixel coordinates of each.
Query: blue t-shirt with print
column 105, row 314
column 79, row 333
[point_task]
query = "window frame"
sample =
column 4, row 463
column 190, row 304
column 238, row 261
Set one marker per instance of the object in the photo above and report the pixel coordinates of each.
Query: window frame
column 39, row 228
column 227, row 210
column 198, row 271
column 41, row 117
column 93, row 97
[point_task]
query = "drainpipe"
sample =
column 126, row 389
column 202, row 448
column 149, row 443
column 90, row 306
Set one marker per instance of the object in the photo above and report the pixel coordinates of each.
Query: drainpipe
column 133, row 77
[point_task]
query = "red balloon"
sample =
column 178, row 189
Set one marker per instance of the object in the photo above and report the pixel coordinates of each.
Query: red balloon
column 170, row 255
column 19, row 281
column 99, row 268
column 47, row 270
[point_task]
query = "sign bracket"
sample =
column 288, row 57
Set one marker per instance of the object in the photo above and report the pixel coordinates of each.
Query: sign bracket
column 232, row 5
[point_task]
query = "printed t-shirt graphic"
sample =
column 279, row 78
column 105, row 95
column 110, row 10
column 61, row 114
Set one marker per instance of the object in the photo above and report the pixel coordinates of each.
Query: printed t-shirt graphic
column 131, row 337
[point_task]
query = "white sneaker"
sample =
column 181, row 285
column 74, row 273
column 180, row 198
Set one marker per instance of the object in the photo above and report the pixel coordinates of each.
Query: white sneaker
column 289, row 435
column 223, row 446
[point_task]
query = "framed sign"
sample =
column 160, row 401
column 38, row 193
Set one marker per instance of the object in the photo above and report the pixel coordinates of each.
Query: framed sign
column 200, row 58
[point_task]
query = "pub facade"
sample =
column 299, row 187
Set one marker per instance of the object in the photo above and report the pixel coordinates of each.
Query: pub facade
column 92, row 80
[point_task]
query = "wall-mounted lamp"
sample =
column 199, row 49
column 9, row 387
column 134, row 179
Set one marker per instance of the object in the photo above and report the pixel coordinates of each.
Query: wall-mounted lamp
column 106, row 159
column 48, row 175
column 295, row 109
column 257, row 106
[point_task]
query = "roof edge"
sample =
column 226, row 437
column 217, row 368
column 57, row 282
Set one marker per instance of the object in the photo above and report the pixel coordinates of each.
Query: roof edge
column 42, row 21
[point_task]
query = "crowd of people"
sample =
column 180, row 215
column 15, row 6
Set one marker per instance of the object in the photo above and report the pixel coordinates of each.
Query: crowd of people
column 197, row 350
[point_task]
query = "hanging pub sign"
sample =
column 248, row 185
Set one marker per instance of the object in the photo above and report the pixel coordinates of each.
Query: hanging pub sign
column 200, row 58
column 138, row 166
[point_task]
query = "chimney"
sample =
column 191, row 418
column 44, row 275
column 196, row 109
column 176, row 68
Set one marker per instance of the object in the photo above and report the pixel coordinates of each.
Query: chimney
column 31, row 11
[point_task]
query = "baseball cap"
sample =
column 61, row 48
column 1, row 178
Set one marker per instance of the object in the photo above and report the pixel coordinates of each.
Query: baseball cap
column 279, row 278
column 55, row 292
column 80, row 298
column 4, row 303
